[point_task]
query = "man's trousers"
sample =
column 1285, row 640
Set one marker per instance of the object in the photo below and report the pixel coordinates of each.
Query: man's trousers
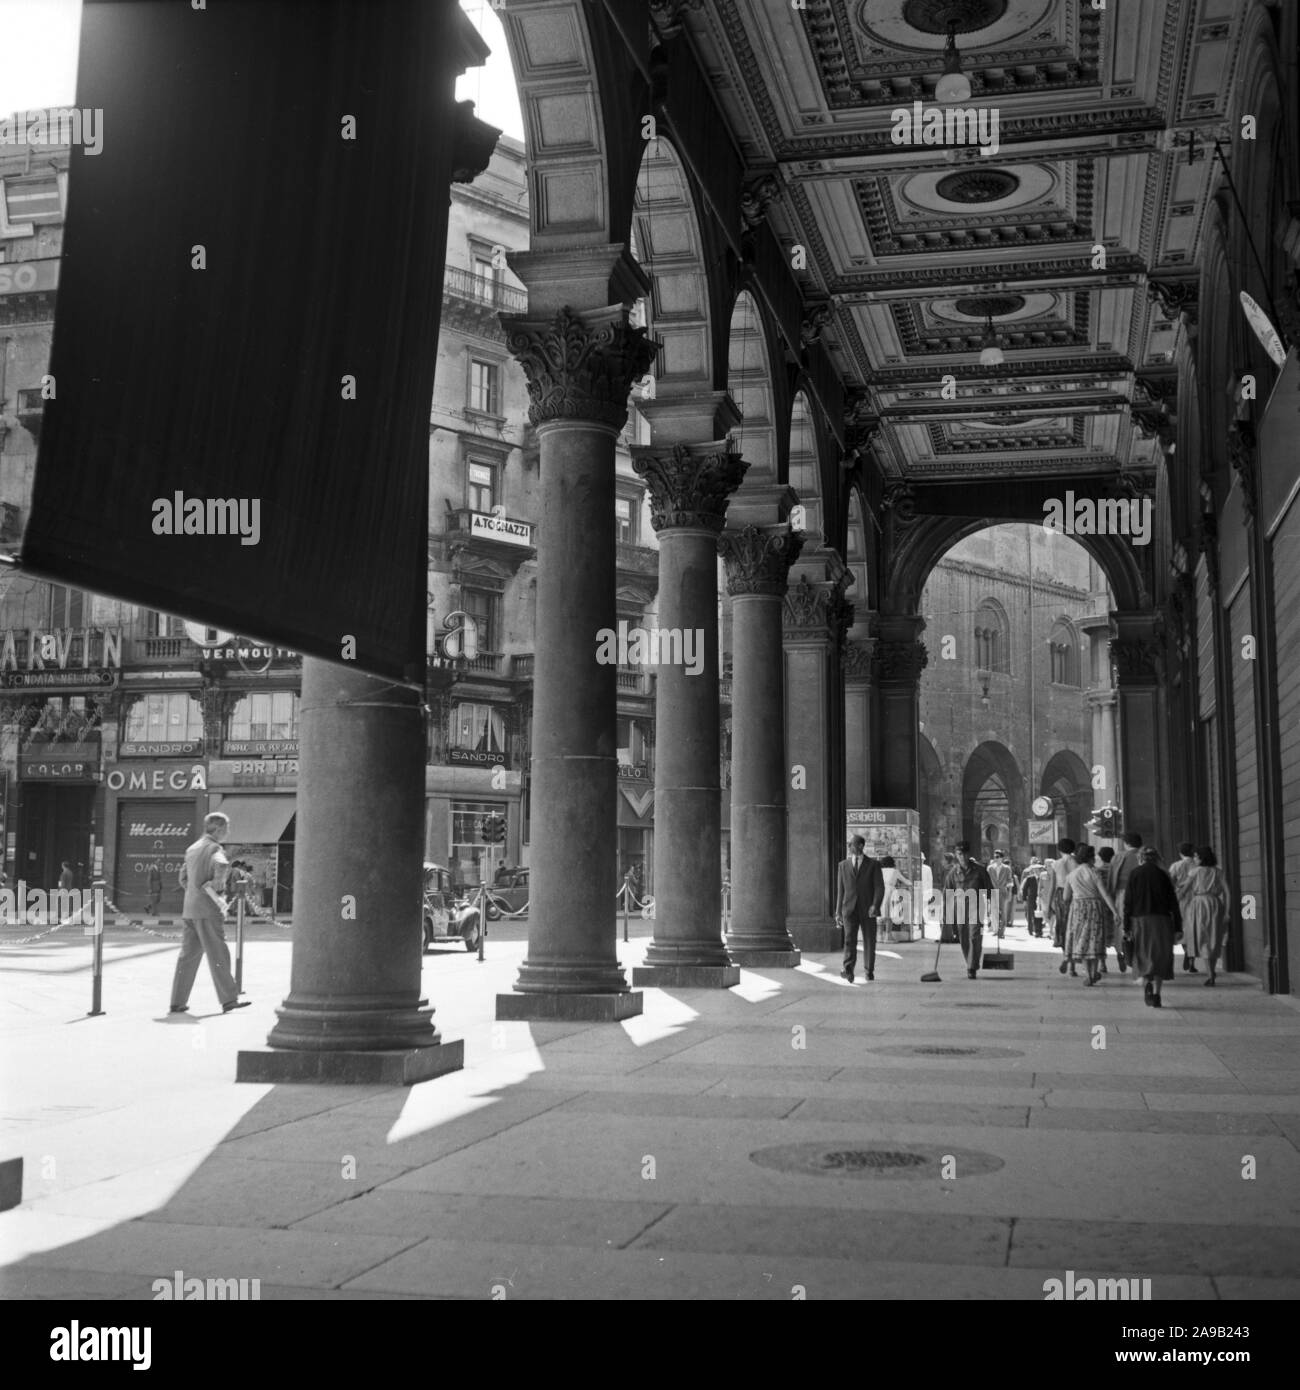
column 972, row 943
column 852, row 921
column 203, row 936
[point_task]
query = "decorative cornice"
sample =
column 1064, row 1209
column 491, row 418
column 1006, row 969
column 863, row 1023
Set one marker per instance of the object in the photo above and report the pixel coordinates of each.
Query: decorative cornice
column 758, row 558
column 580, row 368
column 1177, row 297
column 899, row 661
column 689, row 484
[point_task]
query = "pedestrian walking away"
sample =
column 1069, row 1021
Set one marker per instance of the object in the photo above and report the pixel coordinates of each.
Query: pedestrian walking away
column 895, row 909
column 1087, row 902
column 1152, row 922
column 1029, row 892
column 1208, row 911
column 860, row 889
column 969, row 877
column 155, row 888
column 1105, row 867
column 203, row 876
column 1180, row 875
column 1122, row 868
column 1062, row 867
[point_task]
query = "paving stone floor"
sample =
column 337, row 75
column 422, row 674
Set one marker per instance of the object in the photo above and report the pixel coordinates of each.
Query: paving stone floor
column 734, row 1145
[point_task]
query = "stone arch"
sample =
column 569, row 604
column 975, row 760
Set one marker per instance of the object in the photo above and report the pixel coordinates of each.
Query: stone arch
column 667, row 239
column 753, row 387
column 931, row 537
column 805, row 470
column 857, row 555
column 581, row 97
column 1068, row 782
column 993, row 795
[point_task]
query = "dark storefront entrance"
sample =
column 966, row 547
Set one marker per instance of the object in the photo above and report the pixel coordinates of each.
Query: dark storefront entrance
column 152, row 832
column 54, row 824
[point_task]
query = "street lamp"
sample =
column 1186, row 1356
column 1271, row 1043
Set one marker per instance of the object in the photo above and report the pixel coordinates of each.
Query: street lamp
column 991, row 354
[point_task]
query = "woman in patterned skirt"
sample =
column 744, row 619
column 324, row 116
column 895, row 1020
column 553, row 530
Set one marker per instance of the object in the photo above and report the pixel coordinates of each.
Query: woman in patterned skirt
column 1090, row 907
column 1206, row 923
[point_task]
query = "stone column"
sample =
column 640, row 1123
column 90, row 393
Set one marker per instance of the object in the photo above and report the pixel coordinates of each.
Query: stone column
column 354, row 1012
column 1102, row 705
column 580, row 368
column 689, row 487
column 900, row 657
column 758, row 560
column 816, row 615
column 859, row 656
column 1136, row 650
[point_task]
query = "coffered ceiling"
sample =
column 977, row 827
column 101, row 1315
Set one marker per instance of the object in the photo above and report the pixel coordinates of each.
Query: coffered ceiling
column 1105, row 121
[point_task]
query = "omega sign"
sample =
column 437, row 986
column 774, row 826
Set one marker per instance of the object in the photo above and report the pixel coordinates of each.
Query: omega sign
column 159, row 779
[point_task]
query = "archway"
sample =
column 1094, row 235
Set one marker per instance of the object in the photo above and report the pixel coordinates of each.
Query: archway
column 993, row 811
column 1067, row 783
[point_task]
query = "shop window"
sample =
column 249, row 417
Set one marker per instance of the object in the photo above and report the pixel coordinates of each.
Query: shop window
column 467, row 854
column 478, row 728
column 163, row 717
column 264, row 715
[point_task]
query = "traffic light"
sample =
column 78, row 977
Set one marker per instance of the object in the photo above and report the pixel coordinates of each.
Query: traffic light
column 491, row 829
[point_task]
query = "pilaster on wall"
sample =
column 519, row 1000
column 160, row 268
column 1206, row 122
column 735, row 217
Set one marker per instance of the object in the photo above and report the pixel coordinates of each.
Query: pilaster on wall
column 815, row 618
column 1137, row 653
column 899, row 659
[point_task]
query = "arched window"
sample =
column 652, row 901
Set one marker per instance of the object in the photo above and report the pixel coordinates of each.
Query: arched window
column 992, row 638
column 1064, row 654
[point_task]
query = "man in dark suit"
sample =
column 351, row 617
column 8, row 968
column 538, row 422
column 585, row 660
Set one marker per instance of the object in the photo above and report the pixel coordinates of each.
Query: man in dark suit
column 860, row 889
column 1120, row 872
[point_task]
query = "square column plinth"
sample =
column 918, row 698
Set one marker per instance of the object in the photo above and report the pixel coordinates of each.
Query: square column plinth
column 579, row 1008
column 398, row 1068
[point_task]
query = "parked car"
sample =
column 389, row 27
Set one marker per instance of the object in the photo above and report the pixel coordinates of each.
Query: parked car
column 447, row 915
column 508, row 893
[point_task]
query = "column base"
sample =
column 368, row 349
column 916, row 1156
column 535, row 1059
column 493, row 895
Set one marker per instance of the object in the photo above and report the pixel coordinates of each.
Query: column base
column 11, row 1183
column 762, row 955
column 673, row 953
column 563, row 1008
column 404, row 1068
column 686, row 976
column 815, row 934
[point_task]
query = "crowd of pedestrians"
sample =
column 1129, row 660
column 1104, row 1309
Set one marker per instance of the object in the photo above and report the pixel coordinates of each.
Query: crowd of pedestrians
column 1090, row 901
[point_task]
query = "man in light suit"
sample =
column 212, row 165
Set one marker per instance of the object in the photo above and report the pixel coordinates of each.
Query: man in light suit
column 1120, row 873
column 860, row 890
column 203, row 876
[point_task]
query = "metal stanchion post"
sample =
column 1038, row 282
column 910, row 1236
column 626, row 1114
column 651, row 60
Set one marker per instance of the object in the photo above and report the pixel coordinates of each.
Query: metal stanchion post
column 239, row 944
column 97, row 954
column 626, row 891
column 482, row 918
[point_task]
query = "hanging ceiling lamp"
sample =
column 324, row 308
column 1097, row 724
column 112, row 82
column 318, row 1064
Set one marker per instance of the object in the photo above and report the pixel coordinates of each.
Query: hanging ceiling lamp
column 954, row 85
column 991, row 354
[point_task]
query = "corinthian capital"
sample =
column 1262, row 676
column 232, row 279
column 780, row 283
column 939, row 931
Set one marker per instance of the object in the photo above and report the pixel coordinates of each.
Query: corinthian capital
column 758, row 558
column 580, row 367
column 689, row 484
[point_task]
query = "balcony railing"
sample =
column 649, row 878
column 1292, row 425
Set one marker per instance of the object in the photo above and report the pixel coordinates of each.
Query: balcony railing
column 484, row 291
column 165, row 650
column 632, row 680
column 642, row 559
column 521, row 666
column 31, row 408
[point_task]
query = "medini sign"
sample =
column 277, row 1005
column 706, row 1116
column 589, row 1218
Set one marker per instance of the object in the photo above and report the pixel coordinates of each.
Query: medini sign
column 254, row 367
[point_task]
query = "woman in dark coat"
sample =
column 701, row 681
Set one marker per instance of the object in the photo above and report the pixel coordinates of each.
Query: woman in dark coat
column 1152, row 923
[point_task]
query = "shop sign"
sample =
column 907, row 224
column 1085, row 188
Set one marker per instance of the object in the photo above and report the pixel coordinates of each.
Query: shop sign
column 50, row 653
column 500, row 528
column 253, row 772
column 633, row 772
column 189, row 748
column 145, row 781
column 45, row 769
column 261, row 748
column 473, row 757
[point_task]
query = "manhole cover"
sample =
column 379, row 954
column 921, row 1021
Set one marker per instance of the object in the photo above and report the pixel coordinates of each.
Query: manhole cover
column 944, row 1050
column 909, row 1161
